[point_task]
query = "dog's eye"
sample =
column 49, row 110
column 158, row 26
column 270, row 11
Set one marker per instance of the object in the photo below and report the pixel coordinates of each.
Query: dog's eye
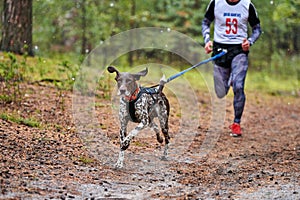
column 128, row 81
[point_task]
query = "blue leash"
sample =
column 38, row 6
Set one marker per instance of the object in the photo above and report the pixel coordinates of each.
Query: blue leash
column 162, row 82
column 196, row 65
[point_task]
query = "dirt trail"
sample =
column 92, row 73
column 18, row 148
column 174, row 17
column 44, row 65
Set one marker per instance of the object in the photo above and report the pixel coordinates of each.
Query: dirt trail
column 54, row 161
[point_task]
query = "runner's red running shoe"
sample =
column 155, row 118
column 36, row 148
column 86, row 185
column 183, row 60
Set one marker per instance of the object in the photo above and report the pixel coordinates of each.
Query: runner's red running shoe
column 235, row 130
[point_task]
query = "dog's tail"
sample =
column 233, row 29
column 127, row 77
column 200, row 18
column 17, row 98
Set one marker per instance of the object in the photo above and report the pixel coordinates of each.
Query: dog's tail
column 162, row 83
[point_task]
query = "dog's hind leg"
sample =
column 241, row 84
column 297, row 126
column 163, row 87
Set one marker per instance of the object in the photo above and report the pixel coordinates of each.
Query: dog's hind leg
column 167, row 141
column 154, row 127
column 163, row 119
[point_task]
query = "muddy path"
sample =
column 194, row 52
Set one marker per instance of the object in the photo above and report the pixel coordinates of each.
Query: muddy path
column 56, row 160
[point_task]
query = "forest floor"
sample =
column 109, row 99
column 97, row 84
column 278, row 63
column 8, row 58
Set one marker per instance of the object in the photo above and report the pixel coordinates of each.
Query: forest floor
column 54, row 160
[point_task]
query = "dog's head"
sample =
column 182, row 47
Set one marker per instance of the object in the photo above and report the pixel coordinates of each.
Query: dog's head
column 127, row 82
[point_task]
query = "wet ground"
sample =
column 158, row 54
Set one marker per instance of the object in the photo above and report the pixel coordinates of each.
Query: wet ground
column 59, row 160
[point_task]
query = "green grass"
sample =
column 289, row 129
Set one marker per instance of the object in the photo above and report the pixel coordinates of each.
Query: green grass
column 273, row 84
column 278, row 76
column 277, row 79
column 20, row 120
column 139, row 144
column 6, row 98
column 60, row 68
column 85, row 160
column 275, row 75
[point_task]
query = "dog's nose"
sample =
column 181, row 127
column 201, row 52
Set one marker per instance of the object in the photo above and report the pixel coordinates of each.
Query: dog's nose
column 122, row 91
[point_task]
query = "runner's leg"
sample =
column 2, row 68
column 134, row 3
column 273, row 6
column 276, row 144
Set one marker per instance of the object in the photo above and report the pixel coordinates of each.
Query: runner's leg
column 239, row 71
column 221, row 77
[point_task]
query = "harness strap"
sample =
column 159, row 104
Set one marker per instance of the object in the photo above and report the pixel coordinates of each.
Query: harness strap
column 131, row 104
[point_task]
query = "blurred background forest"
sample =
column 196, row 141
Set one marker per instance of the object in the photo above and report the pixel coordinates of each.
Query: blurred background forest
column 75, row 27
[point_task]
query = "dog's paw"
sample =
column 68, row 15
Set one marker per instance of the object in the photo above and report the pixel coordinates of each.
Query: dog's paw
column 125, row 144
column 160, row 139
column 119, row 165
column 164, row 158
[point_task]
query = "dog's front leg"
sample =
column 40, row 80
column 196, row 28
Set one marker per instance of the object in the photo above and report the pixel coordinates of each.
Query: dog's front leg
column 123, row 116
column 120, row 161
column 125, row 143
column 142, row 108
column 123, row 131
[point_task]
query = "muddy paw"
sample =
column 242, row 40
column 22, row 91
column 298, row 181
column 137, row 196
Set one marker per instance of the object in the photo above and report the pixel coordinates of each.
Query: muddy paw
column 160, row 139
column 119, row 165
column 164, row 158
column 125, row 144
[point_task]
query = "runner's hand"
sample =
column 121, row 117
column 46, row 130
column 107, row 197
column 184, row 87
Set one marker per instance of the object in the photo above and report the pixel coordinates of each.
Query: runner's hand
column 208, row 47
column 246, row 45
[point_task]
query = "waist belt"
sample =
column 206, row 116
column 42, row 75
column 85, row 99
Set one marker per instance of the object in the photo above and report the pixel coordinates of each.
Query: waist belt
column 232, row 51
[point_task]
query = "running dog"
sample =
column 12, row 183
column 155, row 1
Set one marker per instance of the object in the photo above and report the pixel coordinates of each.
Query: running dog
column 140, row 105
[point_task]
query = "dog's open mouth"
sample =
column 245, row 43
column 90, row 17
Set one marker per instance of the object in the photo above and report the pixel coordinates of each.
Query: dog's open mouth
column 123, row 93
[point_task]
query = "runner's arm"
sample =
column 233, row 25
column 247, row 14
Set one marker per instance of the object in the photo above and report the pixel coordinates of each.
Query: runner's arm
column 255, row 24
column 208, row 18
column 206, row 30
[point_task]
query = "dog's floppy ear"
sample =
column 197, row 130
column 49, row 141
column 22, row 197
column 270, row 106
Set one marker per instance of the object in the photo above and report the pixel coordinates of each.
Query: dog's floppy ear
column 138, row 75
column 112, row 69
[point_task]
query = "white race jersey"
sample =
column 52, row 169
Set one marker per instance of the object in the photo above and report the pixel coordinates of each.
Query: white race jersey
column 231, row 21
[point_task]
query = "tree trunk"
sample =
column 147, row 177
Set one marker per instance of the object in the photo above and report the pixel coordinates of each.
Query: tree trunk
column 296, row 39
column 83, row 26
column 17, row 27
column 132, row 26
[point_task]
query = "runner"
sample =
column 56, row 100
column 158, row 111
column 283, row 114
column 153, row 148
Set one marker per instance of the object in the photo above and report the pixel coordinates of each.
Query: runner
column 231, row 18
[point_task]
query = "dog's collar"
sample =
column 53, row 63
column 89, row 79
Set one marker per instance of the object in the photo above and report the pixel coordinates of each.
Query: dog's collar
column 133, row 96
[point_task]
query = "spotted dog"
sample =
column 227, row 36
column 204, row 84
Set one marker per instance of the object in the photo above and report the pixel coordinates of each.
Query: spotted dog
column 140, row 105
